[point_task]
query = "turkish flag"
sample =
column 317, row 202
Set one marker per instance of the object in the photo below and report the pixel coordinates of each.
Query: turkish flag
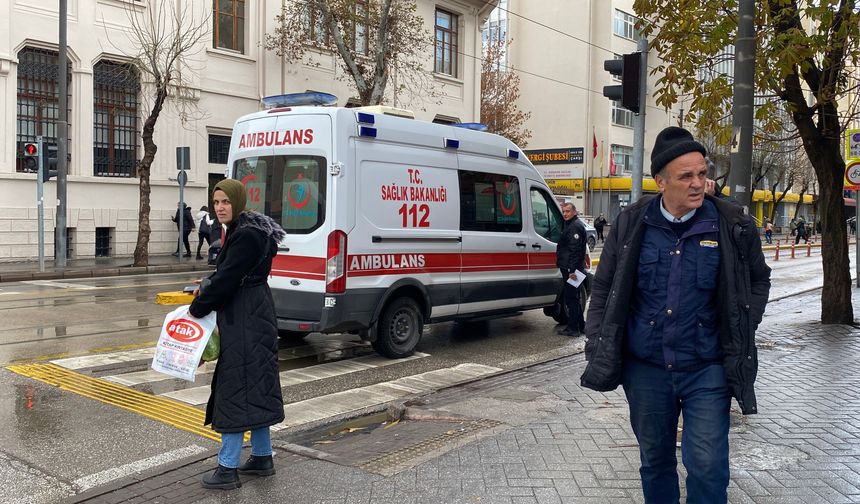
column 594, row 146
column 611, row 163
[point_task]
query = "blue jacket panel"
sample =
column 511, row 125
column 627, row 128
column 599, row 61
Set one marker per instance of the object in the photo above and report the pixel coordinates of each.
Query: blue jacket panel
column 672, row 321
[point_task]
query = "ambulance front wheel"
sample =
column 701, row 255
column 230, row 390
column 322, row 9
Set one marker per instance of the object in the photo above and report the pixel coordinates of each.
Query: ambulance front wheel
column 399, row 328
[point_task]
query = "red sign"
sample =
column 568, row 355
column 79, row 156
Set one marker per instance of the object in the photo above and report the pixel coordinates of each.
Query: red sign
column 184, row 330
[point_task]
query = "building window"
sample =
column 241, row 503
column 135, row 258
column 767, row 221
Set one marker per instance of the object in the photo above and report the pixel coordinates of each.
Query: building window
column 38, row 99
column 446, row 43
column 625, row 25
column 115, row 127
column 359, row 27
column 318, row 32
column 103, row 241
column 620, row 115
column 219, row 148
column 229, row 21
column 623, row 157
column 617, row 78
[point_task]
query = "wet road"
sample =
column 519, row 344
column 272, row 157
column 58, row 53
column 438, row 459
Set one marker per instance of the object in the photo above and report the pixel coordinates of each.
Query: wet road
column 94, row 422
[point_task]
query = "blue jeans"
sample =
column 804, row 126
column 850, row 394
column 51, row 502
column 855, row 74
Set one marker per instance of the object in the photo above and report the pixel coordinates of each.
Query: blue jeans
column 656, row 397
column 231, row 446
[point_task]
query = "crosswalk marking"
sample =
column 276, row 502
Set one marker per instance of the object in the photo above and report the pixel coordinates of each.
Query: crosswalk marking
column 59, row 285
column 88, row 361
column 339, row 403
column 199, row 395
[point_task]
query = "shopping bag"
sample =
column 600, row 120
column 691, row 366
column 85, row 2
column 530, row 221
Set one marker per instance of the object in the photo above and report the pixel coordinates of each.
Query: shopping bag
column 181, row 344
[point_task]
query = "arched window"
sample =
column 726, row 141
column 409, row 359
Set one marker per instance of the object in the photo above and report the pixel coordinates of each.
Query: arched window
column 115, row 126
column 38, row 99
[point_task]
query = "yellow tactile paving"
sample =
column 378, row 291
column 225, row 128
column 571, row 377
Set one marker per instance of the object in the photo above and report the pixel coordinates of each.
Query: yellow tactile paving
column 157, row 408
column 174, row 298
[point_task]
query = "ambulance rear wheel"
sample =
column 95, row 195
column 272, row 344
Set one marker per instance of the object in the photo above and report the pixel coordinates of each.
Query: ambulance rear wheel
column 399, row 328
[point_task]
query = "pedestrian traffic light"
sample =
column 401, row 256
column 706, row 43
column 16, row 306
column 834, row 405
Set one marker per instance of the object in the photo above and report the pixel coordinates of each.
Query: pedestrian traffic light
column 49, row 169
column 31, row 157
column 627, row 69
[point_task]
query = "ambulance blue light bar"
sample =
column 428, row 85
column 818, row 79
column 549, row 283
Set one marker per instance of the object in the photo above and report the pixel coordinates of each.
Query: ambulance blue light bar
column 299, row 99
column 451, row 143
column 513, row 154
column 367, row 131
column 364, row 117
column 471, row 126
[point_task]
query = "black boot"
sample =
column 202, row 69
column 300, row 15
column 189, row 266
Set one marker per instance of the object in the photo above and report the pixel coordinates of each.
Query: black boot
column 223, row 478
column 260, row 466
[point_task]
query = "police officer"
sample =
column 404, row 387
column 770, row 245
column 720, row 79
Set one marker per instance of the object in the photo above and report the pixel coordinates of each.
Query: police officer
column 570, row 257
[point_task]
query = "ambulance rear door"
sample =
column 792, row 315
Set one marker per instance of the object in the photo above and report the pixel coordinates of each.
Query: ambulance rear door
column 290, row 183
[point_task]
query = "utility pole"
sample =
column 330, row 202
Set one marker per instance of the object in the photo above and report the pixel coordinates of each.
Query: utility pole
column 62, row 144
column 742, row 106
column 639, row 123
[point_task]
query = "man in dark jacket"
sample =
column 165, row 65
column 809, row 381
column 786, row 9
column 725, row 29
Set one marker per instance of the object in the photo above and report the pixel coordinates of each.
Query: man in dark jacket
column 570, row 257
column 681, row 288
column 599, row 223
column 187, row 227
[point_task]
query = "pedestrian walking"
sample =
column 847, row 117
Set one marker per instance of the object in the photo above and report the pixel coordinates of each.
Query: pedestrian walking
column 801, row 231
column 570, row 257
column 599, row 222
column 853, row 226
column 768, row 231
column 204, row 229
column 792, row 226
column 246, row 391
column 681, row 287
column 187, row 227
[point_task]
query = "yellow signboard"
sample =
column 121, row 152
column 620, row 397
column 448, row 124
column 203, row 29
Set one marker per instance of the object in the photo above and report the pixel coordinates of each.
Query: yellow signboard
column 575, row 185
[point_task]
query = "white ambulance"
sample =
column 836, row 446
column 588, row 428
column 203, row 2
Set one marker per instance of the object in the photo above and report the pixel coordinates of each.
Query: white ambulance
column 393, row 222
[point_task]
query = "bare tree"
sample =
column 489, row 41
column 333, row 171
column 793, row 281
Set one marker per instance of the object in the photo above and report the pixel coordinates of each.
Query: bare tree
column 375, row 39
column 500, row 90
column 166, row 35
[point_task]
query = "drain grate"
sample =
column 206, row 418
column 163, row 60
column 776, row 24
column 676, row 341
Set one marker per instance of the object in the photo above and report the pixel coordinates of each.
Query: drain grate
column 384, row 464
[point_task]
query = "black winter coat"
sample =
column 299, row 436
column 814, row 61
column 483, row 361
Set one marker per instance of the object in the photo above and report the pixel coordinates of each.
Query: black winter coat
column 570, row 251
column 742, row 293
column 187, row 220
column 246, row 389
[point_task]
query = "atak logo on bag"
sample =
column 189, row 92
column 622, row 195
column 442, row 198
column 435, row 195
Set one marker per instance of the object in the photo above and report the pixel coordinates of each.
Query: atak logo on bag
column 184, row 330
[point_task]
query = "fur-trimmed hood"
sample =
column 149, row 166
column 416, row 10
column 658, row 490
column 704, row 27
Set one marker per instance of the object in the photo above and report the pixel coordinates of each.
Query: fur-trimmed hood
column 263, row 223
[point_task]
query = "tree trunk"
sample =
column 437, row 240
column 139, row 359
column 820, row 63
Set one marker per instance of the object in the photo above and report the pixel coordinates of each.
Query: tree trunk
column 141, row 250
column 836, row 307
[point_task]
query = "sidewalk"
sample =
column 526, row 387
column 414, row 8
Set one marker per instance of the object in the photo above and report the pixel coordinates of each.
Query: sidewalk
column 535, row 436
column 100, row 267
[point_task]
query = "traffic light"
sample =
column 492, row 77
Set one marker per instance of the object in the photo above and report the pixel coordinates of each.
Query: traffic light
column 31, row 157
column 49, row 170
column 628, row 69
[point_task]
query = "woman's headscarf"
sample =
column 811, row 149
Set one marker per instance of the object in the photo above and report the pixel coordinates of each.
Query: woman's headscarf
column 236, row 192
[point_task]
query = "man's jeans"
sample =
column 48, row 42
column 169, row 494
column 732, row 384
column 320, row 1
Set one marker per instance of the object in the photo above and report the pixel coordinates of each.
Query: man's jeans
column 656, row 397
column 231, row 446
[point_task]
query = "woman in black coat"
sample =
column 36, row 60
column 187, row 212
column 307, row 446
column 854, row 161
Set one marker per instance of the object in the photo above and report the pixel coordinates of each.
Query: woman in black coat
column 246, row 390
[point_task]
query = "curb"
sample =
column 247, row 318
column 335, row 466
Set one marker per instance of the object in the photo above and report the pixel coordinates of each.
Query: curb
column 24, row 276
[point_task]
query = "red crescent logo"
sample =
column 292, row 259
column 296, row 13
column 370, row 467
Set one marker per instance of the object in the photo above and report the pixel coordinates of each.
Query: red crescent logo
column 184, row 330
column 508, row 211
column 299, row 204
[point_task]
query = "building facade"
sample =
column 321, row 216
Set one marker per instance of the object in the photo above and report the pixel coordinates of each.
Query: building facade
column 109, row 99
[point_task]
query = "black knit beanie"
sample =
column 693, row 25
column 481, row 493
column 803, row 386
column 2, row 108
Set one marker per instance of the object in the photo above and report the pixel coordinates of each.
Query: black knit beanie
column 672, row 142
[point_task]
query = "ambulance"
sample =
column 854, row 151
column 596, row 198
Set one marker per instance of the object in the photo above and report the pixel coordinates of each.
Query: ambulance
column 392, row 222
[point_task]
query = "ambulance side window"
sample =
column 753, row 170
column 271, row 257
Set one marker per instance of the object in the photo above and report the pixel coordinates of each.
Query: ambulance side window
column 546, row 217
column 490, row 202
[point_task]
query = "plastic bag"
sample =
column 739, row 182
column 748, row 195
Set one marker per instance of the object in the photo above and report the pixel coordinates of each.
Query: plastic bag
column 181, row 344
column 213, row 347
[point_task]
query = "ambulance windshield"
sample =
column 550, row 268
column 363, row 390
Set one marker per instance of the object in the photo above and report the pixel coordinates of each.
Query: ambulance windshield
column 289, row 189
